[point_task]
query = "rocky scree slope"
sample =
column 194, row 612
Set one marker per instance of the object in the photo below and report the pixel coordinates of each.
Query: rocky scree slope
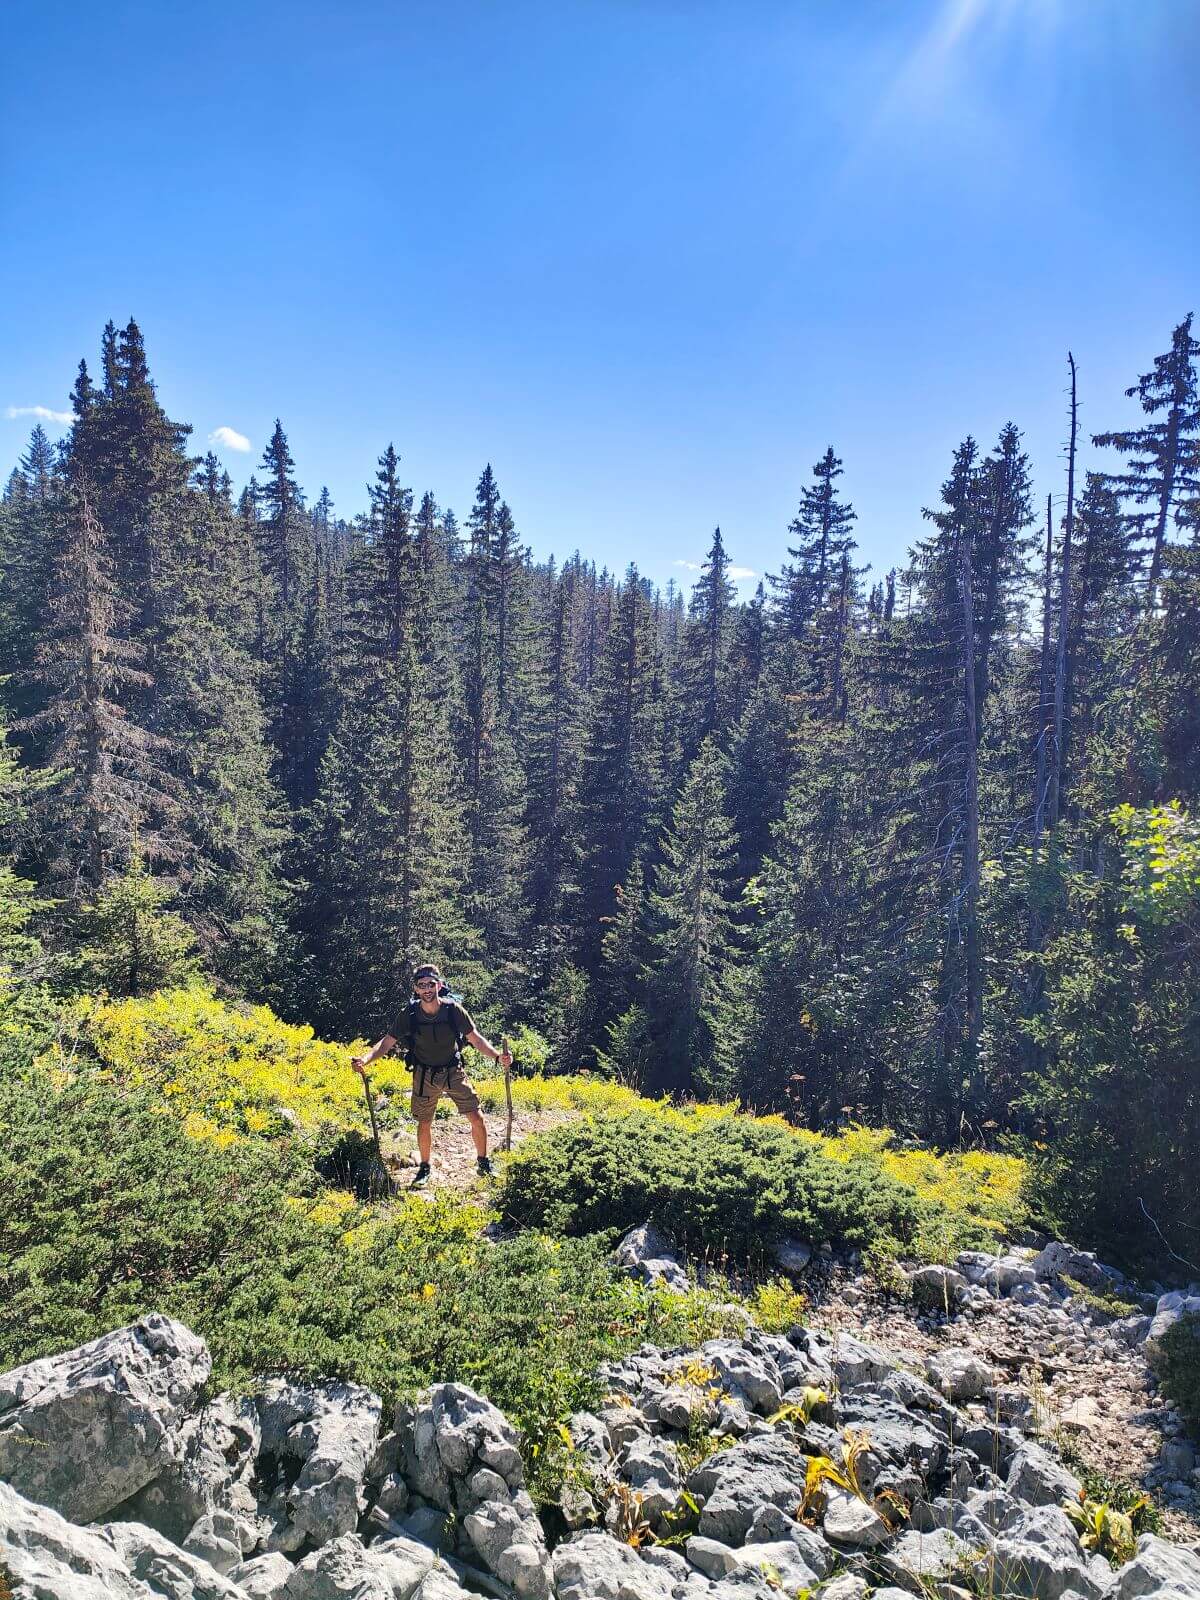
column 120, row 1477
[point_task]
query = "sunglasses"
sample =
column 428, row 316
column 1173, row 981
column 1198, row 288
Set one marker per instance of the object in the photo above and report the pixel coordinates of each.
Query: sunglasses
column 426, row 983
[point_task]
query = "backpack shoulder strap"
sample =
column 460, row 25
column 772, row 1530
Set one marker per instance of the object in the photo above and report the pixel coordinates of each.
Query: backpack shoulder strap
column 413, row 1006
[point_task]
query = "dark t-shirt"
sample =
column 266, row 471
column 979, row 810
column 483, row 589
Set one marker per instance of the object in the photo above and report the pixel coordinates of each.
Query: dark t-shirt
column 434, row 1036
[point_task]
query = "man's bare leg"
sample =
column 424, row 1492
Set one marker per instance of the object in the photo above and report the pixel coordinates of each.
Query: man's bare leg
column 424, row 1141
column 478, row 1133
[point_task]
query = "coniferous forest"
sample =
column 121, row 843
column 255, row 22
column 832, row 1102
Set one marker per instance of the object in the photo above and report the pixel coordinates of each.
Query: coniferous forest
column 916, row 847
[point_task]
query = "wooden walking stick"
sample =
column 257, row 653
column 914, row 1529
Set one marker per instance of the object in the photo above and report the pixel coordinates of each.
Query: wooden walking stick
column 387, row 1177
column 507, row 1091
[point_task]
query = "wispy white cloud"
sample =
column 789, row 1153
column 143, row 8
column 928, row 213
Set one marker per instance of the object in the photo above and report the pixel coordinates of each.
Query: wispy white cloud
column 229, row 439
column 736, row 574
column 42, row 413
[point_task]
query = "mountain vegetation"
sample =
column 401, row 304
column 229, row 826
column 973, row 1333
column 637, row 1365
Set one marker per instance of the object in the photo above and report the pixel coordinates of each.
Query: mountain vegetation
column 917, row 849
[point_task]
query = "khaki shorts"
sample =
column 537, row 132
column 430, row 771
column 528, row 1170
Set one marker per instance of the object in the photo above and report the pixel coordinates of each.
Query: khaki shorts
column 434, row 1082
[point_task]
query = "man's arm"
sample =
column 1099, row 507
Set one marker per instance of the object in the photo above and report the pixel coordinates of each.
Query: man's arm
column 361, row 1063
column 504, row 1057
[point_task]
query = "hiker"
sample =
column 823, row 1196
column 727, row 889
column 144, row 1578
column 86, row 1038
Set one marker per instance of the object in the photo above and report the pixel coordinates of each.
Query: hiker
column 431, row 1033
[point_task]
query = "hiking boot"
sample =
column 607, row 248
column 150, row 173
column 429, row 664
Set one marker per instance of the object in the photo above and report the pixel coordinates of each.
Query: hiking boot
column 484, row 1167
column 422, row 1176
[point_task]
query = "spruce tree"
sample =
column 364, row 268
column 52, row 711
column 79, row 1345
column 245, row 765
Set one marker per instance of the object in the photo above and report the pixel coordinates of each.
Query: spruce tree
column 553, row 755
column 821, row 528
column 110, row 785
column 493, row 774
column 693, row 906
column 622, row 781
column 703, row 669
column 30, row 518
column 1163, row 457
column 129, row 943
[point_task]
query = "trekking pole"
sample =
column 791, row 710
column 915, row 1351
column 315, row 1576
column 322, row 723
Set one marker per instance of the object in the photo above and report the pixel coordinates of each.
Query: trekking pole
column 507, row 1091
column 387, row 1177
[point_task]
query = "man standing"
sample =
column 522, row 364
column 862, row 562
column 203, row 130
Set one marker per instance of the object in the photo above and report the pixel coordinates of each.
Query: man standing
column 431, row 1033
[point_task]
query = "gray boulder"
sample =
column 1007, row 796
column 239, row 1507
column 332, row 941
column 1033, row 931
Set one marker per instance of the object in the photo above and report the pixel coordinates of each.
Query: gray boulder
column 623, row 1424
column 451, row 1431
column 679, row 1404
column 973, row 1264
column 1040, row 1558
column 1004, row 1274
column 1159, row 1569
column 712, row 1557
column 753, row 1379
column 791, row 1255
column 1038, row 1479
column 49, row 1558
column 344, row 1570
column 220, row 1539
column 164, row 1568
column 642, row 1244
column 428, row 1525
column 212, row 1470
column 771, row 1524
column 778, row 1562
column 86, row 1430
column 668, row 1561
column 854, row 1362
column 1060, row 1260
column 937, row 1288
column 264, row 1577
column 651, row 1468
column 849, row 1586
column 333, row 1430
column 509, row 1541
column 851, row 1521
column 919, row 1560
column 461, row 1454
column 591, row 1438
column 441, row 1584
column 897, row 1436
column 733, row 1484
column 1168, row 1311
column 595, row 1566
column 647, row 1253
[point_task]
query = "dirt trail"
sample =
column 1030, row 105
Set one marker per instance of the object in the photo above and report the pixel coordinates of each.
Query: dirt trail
column 453, row 1152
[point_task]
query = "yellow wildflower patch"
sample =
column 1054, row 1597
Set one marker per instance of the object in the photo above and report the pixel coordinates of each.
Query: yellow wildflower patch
column 237, row 1071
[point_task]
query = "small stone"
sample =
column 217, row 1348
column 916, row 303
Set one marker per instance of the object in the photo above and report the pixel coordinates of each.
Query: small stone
column 959, row 1374
column 1082, row 1415
column 847, row 1587
column 849, row 1520
column 792, row 1255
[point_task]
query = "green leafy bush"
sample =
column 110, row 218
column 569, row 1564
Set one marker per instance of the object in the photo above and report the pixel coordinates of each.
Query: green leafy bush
column 1176, row 1360
column 725, row 1185
column 108, row 1210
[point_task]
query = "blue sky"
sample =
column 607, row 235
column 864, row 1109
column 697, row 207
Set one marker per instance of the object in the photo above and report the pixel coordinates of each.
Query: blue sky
column 648, row 258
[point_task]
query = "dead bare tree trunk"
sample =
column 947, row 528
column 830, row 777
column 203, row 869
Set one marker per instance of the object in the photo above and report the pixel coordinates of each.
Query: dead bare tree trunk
column 1044, row 727
column 1058, row 769
column 970, row 883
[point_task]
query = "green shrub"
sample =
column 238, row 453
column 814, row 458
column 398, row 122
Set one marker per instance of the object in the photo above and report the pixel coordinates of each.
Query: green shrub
column 108, row 1210
column 1099, row 1300
column 727, row 1185
column 1176, row 1359
column 530, row 1051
